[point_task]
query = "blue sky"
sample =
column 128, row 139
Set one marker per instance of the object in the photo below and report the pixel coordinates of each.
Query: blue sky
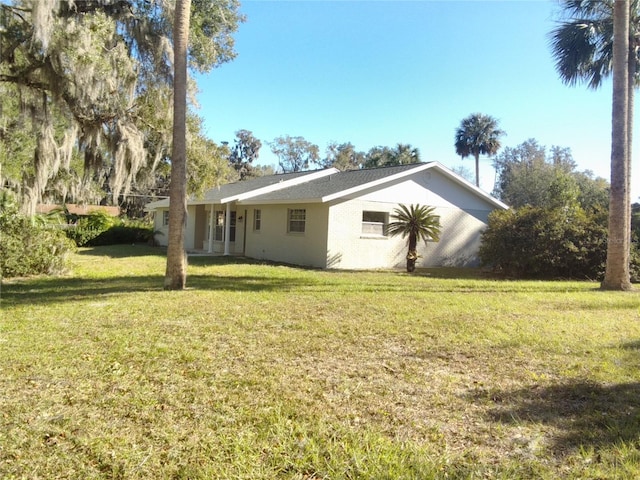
column 387, row 72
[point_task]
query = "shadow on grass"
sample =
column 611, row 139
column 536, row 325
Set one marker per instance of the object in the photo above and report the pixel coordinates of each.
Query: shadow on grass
column 123, row 251
column 585, row 414
column 42, row 291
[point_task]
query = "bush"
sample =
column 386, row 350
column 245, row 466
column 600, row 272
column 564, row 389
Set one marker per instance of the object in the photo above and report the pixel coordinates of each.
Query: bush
column 123, row 234
column 98, row 228
column 88, row 227
column 29, row 248
column 532, row 242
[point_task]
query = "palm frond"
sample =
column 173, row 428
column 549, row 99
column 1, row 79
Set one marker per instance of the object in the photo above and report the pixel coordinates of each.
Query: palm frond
column 582, row 44
column 415, row 219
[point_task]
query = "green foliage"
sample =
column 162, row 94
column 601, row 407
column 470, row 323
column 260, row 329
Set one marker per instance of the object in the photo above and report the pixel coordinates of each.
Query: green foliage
column 294, row 154
column 582, row 44
column 478, row 134
column 124, row 232
column 528, row 176
column 99, row 228
column 343, row 156
column 401, row 154
column 29, row 247
column 245, row 150
column 207, row 164
column 89, row 81
column 88, row 227
column 534, row 242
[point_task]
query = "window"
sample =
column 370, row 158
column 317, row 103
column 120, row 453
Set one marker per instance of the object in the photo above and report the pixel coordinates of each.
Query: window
column 257, row 220
column 232, row 227
column 165, row 218
column 374, row 223
column 219, row 230
column 296, row 218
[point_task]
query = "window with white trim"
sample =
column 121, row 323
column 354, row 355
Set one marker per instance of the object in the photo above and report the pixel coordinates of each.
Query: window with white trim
column 219, row 226
column 375, row 223
column 165, row 218
column 296, row 219
column 232, row 227
column 257, row 220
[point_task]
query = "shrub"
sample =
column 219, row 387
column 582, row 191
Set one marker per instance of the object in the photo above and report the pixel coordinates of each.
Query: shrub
column 532, row 242
column 123, row 234
column 29, row 247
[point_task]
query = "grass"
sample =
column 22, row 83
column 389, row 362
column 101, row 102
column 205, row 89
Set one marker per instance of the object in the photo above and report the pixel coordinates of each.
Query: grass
column 263, row 371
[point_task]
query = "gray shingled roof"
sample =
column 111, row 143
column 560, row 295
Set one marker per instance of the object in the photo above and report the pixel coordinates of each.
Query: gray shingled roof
column 315, row 190
column 238, row 188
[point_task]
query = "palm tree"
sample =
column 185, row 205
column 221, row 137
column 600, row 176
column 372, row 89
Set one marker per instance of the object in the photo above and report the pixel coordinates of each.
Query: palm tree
column 478, row 134
column 617, row 268
column 176, row 272
column 584, row 50
column 418, row 223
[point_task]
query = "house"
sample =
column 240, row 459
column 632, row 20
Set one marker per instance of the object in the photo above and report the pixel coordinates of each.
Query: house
column 332, row 219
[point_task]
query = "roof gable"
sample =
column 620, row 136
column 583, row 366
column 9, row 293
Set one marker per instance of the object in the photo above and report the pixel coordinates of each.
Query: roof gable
column 321, row 186
column 342, row 184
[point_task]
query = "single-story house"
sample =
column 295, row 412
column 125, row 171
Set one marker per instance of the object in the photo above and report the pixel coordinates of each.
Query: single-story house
column 333, row 219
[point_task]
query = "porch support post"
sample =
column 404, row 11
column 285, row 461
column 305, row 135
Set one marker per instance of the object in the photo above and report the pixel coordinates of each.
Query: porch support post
column 227, row 229
column 211, row 229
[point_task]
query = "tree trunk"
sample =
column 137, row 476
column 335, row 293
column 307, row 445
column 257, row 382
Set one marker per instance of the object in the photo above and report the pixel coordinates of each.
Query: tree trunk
column 176, row 273
column 412, row 254
column 477, row 157
column 617, row 268
column 631, row 85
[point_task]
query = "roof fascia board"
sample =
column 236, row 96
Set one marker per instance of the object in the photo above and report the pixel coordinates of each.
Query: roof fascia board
column 280, row 185
column 296, row 201
column 375, row 183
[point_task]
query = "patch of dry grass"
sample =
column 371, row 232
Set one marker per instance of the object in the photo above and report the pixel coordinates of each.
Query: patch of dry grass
column 267, row 371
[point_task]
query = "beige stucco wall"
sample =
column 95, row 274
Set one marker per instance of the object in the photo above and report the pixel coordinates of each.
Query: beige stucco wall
column 273, row 242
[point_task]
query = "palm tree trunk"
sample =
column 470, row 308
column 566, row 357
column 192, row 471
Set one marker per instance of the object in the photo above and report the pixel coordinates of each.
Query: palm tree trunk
column 412, row 254
column 477, row 157
column 176, row 273
column 631, row 81
column 617, row 268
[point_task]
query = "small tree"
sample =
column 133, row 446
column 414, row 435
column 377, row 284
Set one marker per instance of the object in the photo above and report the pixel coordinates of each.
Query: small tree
column 417, row 222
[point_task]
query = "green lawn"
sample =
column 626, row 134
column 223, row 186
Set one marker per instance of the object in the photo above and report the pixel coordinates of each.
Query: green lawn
column 261, row 371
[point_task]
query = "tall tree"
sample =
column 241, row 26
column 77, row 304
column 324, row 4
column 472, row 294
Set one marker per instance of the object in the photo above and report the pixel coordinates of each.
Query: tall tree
column 478, row 134
column 294, row 153
column 401, row 154
column 245, row 150
column 526, row 175
column 85, row 71
column 584, row 49
column 343, row 156
column 176, row 272
column 617, row 269
column 417, row 222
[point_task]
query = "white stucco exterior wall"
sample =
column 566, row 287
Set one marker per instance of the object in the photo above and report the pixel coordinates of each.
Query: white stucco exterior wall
column 462, row 216
column 162, row 238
